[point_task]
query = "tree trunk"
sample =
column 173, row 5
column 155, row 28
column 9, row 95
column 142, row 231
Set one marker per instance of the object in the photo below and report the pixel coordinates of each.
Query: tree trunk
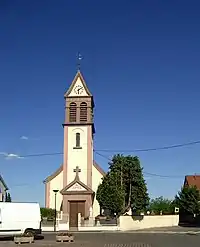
column 129, row 200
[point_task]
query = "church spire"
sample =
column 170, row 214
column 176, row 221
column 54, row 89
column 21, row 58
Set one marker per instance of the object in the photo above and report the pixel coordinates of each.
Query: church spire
column 79, row 104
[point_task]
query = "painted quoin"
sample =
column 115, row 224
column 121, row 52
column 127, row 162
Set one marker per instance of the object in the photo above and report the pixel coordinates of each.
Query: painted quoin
column 77, row 179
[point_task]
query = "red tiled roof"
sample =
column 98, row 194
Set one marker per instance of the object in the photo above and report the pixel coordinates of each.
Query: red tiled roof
column 192, row 180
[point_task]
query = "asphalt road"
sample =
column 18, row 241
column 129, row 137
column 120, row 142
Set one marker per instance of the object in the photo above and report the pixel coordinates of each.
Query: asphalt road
column 117, row 240
column 130, row 239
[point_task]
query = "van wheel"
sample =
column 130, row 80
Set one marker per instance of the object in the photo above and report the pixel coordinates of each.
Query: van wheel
column 29, row 233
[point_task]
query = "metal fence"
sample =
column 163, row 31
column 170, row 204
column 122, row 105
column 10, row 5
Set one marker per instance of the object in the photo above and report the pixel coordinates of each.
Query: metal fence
column 93, row 221
column 47, row 222
column 89, row 222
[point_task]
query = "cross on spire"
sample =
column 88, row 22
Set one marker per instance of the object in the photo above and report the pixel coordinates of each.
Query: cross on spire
column 77, row 170
column 79, row 58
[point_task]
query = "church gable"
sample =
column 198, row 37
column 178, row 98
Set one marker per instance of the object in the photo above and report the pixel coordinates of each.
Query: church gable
column 76, row 187
column 78, row 87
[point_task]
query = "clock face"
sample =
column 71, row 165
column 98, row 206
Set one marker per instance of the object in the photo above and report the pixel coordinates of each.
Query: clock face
column 78, row 89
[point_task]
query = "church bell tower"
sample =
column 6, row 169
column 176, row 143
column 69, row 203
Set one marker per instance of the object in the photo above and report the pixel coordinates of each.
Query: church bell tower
column 79, row 104
column 78, row 137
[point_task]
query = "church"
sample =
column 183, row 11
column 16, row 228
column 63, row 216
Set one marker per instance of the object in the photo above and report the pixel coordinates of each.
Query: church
column 78, row 178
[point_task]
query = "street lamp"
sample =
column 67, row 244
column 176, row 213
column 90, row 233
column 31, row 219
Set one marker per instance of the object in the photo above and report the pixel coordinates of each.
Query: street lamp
column 55, row 191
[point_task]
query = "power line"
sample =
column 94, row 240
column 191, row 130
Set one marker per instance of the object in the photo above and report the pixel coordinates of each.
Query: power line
column 147, row 173
column 107, row 158
column 53, row 154
column 135, row 150
column 14, row 156
column 151, row 149
column 23, row 185
column 41, row 154
column 110, row 150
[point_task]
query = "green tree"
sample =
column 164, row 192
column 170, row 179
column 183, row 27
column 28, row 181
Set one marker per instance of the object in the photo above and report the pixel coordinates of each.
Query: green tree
column 110, row 194
column 188, row 200
column 126, row 184
column 8, row 197
column 161, row 204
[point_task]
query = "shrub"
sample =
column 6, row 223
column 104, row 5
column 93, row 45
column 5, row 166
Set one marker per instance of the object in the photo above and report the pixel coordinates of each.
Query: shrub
column 48, row 213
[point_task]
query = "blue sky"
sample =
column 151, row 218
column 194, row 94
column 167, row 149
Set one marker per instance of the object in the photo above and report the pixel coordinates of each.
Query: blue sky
column 141, row 62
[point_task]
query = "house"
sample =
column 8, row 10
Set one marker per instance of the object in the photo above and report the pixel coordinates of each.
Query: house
column 3, row 189
column 192, row 180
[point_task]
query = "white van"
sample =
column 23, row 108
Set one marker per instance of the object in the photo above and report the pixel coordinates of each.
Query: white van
column 17, row 218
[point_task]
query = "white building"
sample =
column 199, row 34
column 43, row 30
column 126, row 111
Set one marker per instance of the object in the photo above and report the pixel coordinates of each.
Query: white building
column 77, row 179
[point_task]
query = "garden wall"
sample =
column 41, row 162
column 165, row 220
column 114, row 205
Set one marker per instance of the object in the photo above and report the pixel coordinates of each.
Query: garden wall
column 128, row 223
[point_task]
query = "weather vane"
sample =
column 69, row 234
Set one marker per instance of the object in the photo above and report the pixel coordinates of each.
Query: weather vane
column 79, row 58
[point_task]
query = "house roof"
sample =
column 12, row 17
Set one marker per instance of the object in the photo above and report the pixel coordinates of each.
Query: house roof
column 60, row 169
column 3, row 182
column 192, row 180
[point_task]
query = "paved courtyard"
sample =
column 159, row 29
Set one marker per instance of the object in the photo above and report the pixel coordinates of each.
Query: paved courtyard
column 118, row 240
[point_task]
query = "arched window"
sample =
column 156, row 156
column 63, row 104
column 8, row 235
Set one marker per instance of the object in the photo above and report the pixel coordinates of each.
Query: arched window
column 78, row 140
column 72, row 112
column 83, row 112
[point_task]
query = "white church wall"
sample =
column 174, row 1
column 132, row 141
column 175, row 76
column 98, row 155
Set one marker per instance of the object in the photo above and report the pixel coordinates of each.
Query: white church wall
column 56, row 184
column 96, row 180
column 77, row 157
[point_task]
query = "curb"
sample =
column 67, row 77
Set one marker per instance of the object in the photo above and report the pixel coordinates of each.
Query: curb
column 193, row 233
column 132, row 232
column 164, row 232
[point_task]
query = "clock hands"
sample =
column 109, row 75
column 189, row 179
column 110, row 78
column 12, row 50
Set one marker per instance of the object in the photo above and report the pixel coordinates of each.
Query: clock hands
column 79, row 89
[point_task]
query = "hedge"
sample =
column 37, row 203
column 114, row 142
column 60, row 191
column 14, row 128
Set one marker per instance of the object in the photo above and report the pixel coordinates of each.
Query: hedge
column 48, row 213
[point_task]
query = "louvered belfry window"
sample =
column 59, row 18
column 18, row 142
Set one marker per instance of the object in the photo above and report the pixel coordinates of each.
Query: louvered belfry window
column 72, row 112
column 83, row 112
